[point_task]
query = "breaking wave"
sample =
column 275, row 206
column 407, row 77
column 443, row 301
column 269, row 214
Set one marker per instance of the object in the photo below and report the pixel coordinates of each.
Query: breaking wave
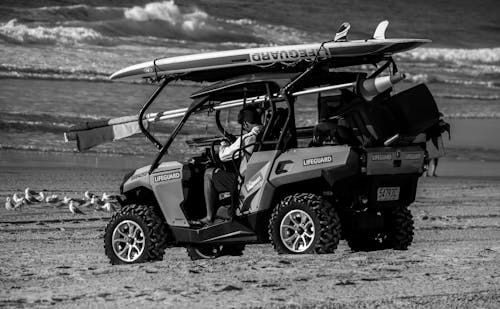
column 435, row 79
column 454, row 55
column 14, row 32
column 59, row 73
column 118, row 25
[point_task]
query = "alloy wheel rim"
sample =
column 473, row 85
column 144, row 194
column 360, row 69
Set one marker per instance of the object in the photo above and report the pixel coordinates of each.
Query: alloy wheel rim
column 128, row 241
column 297, row 231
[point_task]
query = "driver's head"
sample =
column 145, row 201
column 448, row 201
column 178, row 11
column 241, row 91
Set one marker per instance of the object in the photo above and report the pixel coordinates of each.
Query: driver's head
column 249, row 117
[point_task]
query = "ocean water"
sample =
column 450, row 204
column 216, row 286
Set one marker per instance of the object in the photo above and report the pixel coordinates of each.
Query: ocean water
column 56, row 55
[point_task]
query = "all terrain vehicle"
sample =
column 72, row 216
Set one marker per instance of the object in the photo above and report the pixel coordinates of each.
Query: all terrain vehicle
column 352, row 175
column 349, row 171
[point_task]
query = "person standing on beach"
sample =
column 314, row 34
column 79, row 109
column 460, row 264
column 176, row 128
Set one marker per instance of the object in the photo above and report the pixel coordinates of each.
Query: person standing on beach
column 435, row 149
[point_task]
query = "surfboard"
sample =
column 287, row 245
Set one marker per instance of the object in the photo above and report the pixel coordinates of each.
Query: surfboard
column 224, row 64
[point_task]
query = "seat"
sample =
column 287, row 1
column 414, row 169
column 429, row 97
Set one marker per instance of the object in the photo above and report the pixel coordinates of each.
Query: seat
column 273, row 129
column 324, row 133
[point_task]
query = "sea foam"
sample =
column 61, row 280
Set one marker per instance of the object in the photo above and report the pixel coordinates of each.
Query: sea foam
column 169, row 12
column 454, row 55
column 14, row 32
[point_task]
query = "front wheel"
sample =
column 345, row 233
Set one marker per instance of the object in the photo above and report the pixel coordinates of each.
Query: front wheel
column 135, row 234
column 304, row 223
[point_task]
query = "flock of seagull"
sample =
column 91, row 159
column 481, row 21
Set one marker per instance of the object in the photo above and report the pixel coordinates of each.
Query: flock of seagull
column 89, row 201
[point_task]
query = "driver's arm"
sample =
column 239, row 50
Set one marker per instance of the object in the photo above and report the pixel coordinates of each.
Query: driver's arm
column 226, row 151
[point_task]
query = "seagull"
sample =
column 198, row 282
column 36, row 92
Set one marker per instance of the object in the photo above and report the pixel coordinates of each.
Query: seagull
column 8, row 203
column 109, row 197
column 88, row 195
column 29, row 195
column 93, row 202
column 40, row 197
column 17, row 199
column 52, row 199
column 109, row 207
column 78, row 201
column 97, row 203
column 74, row 210
column 55, row 201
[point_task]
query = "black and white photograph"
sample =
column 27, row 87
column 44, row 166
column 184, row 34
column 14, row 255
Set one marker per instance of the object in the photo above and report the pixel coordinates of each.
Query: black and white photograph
column 249, row 154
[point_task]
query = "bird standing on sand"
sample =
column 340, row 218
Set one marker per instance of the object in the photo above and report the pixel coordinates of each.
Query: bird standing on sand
column 8, row 203
column 74, row 210
column 18, row 199
column 19, row 202
column 109, row 197
column 52, row 199
column 88, row 195
column 109, row 207
column 97, row 203
column 40, row 197
column 31, row 196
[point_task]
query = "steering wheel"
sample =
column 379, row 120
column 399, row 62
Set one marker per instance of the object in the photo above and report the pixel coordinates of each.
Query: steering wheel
column 227, row 135
column 214, row 156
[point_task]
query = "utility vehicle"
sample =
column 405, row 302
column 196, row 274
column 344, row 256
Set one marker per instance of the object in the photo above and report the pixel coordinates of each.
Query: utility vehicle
column 352, row 175
column 349, row 170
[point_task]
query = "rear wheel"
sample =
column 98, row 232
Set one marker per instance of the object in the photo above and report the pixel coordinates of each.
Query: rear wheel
column 401, row 227
column 397, row 234
column 304, row 223
column 135, row 234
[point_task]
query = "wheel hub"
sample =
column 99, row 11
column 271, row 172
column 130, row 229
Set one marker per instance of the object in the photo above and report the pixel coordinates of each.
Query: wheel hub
column 297, row 231
column 128, row 241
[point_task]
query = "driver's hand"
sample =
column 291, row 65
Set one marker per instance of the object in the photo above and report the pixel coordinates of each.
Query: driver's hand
column 224, row 143
column 255, row 130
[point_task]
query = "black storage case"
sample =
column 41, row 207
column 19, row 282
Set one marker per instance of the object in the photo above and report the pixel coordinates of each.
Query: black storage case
column 414, row 110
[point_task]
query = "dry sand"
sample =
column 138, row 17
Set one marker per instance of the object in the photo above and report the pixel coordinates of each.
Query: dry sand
column 454, row 261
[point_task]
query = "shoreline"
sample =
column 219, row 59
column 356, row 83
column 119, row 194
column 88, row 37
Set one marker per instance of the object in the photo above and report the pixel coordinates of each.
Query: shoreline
column 18, row 159
column 32, row 158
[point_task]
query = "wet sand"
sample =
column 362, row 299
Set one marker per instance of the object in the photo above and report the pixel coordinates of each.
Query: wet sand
column 49, row 259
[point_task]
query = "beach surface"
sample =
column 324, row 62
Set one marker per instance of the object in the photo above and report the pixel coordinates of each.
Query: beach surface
column 56, row 56
column 50, row 258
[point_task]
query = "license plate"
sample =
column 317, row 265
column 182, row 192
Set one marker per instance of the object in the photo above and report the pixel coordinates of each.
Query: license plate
column 388, row 194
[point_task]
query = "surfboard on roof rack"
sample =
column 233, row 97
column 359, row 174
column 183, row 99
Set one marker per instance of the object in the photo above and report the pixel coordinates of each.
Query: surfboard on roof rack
column 310, row 74
column 219, row 65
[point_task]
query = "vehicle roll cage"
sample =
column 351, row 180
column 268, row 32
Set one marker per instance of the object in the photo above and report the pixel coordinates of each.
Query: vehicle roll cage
column 287, row 94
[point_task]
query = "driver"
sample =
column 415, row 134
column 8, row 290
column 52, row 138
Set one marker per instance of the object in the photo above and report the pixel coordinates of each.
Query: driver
column 217, row 180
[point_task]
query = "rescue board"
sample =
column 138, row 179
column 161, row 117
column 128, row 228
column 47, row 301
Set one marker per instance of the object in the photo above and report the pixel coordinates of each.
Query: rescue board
column 222, row 64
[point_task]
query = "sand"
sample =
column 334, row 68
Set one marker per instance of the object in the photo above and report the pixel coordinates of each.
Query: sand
column 49, row 259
